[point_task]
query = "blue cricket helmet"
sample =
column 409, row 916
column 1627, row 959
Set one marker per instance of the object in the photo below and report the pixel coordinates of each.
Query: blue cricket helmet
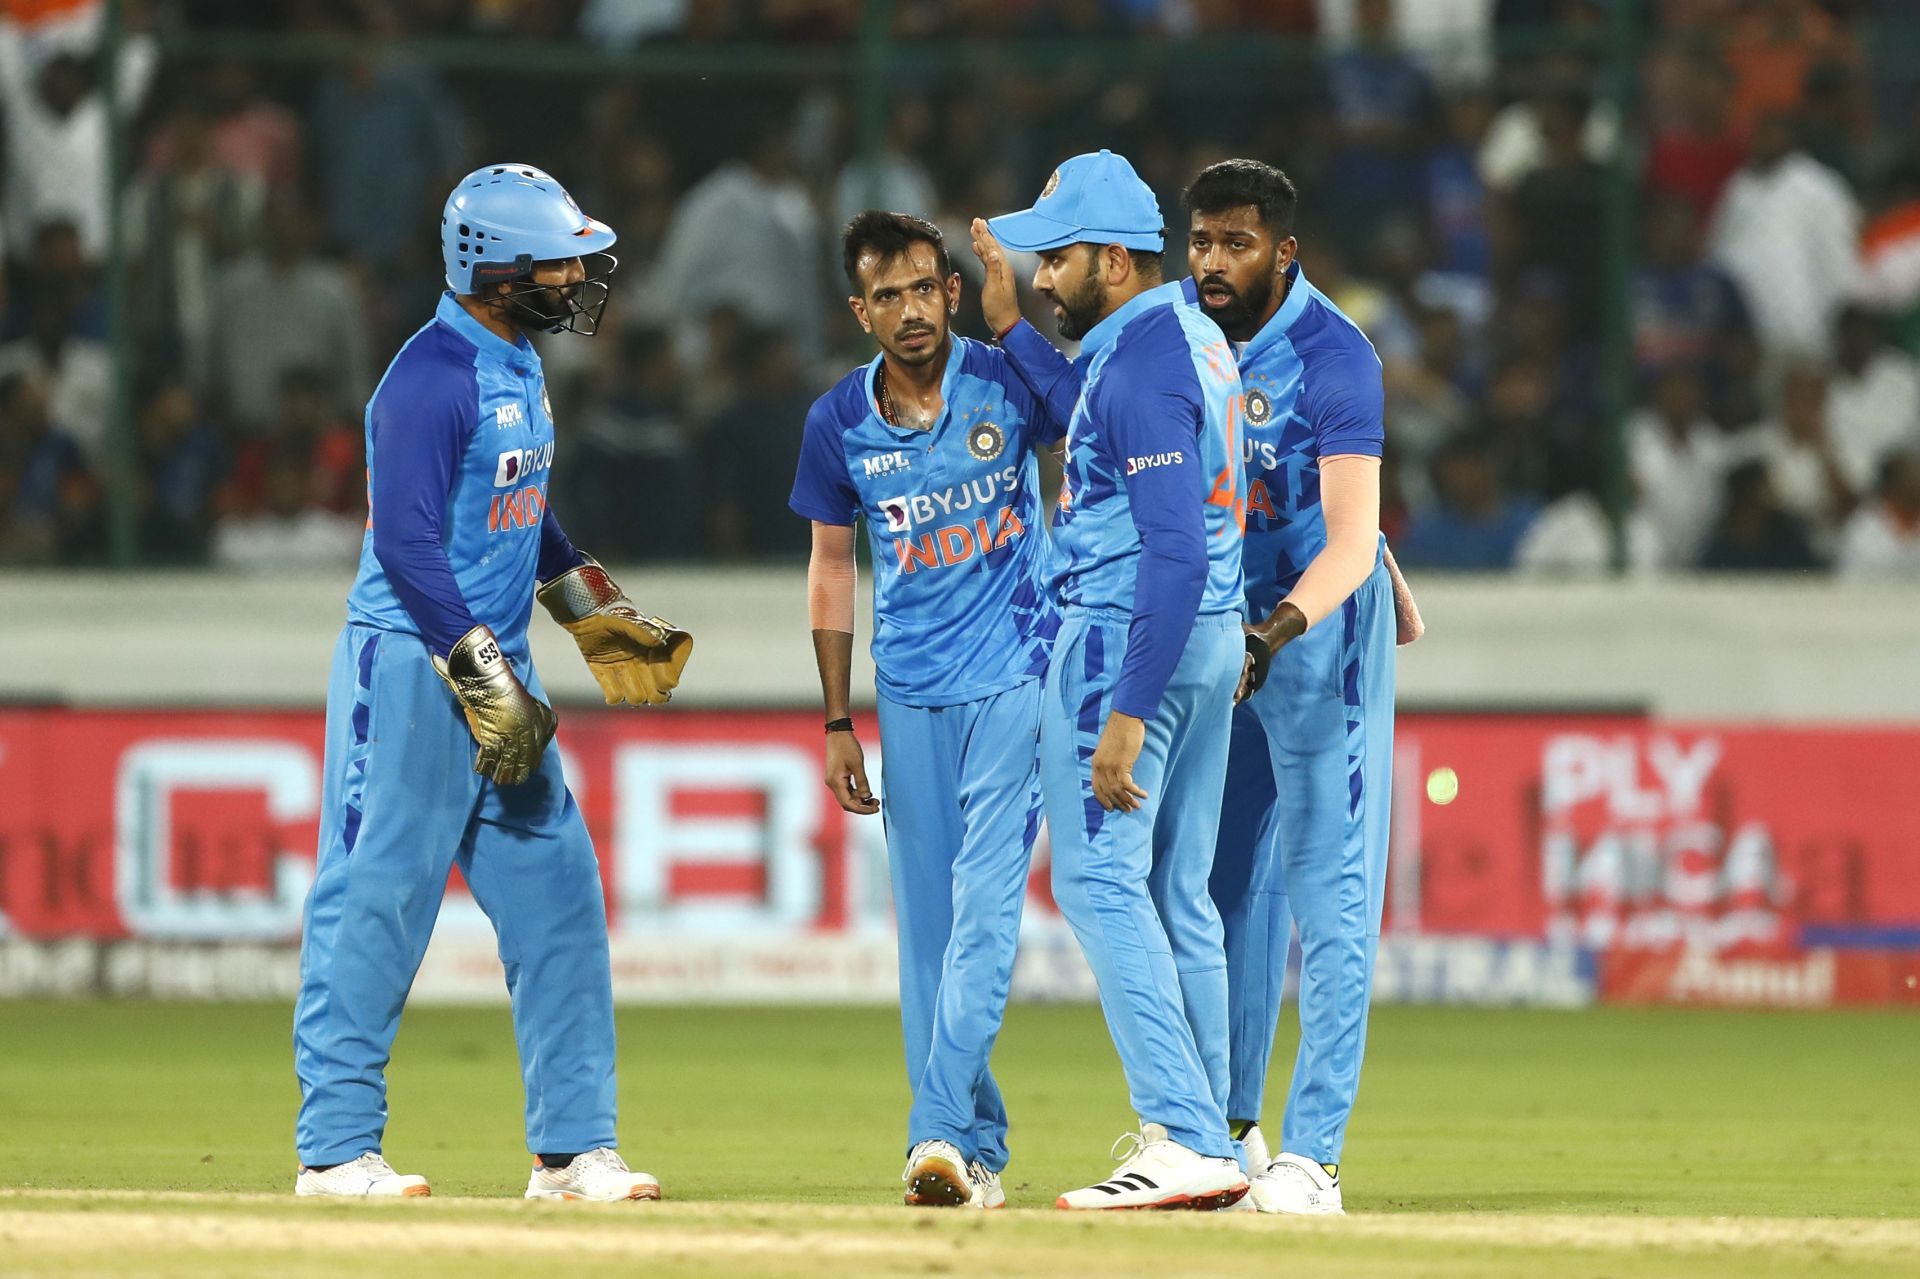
column 506, row 213
column 502, row 219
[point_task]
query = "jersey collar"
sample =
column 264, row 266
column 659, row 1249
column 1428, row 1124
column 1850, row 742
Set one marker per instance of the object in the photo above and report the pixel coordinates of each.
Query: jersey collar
column 954, row 360
column 520, row 354
column 1299, row 293
column 1103, row 334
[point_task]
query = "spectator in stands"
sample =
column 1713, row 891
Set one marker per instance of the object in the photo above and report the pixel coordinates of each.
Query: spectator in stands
column 290, row 530
column 637, row 451
column 1557, row 211
column 53, row 505
column 1382, row 102
column 186, row 213
column 1757, row 533
column 1802, row 466
column 279, row 309
column 1573, row 535
column 1686, row 309
column 1678, row 460
column 745, row 450
column 1873, row 397
column 1692, row 156
column 182, row 461
column 390, row 146
column 54, row 118
column 747, row 236
column 1473, row 523
column 1456, row 197
column 1515, row 144
column 58, row 298
column 897, row 178
column 254, row 137
column 1883, row 537
column 1787, row 231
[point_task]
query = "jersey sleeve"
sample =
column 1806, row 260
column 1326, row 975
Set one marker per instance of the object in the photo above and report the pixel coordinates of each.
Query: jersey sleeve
column 421, row 424
column 1345, row 404
column 1151, row 408
column 1051, row 378
column 557, row 551
column 822, row 489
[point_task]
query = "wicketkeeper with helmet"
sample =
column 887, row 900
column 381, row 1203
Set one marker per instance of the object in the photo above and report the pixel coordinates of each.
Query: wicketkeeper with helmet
column 437, row 726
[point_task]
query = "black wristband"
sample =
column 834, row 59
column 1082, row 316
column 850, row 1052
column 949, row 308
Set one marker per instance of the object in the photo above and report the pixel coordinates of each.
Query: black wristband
column 840, row 726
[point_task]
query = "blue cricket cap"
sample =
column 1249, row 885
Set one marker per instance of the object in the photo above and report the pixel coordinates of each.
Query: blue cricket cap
column 1095, row 198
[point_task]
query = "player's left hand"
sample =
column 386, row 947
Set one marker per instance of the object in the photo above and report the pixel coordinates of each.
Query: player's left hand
column 636, row 659
column 1113, row 761
column 1264, row 640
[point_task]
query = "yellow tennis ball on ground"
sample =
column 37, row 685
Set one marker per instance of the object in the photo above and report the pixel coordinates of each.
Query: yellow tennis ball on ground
column 1443, row 785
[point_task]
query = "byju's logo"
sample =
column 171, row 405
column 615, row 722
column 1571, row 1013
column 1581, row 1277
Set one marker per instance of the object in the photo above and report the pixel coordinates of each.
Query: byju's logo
column 1135, row 465
column 517, row 464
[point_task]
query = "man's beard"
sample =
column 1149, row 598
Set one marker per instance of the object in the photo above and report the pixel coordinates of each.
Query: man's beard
column 1080, row 309
column 1240, row 317
column 543, row 309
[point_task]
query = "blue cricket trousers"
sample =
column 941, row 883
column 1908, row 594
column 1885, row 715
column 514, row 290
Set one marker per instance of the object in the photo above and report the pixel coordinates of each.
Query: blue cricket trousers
column 400, row 806
column 1303, row 833
column 1134, row 885
column 961, row 801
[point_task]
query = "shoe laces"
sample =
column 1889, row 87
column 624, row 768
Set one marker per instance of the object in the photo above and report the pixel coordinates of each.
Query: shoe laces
column 979, row 1173
column 1127, row 1147
column 604, row 1158
column 374, row 1162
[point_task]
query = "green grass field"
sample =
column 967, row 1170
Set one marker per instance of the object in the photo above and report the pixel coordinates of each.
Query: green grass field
column 155, row 1139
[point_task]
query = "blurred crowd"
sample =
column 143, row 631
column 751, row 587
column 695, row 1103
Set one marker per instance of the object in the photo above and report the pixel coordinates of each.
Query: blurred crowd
column 1458, row 175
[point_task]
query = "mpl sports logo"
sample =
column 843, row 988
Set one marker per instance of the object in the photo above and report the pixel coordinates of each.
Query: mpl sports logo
column 886, row 463
column 507, row 415
column 516, row 465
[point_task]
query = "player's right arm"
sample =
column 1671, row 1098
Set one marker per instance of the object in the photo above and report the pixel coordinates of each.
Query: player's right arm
column 1053, row 378
column 823, row 493
column 831, row 577
column 421, row 424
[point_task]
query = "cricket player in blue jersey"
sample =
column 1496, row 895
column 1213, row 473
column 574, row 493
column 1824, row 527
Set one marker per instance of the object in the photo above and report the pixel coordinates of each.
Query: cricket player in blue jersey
column 1139, row 692
column 438, row 730
column 931, row 445
column 1304, row 827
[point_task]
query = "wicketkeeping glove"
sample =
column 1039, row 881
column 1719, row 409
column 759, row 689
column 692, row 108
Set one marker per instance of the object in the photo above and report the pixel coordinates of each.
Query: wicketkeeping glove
column 512, row 726
column 636, row 659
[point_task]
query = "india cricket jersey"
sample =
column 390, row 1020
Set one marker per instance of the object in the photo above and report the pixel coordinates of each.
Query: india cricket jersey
column 1153, row 437
column 459, row 452
column 1312, row 391
column 953, row 521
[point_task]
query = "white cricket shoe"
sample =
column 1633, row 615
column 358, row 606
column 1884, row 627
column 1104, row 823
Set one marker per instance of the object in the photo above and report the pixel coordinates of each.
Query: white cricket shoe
column 1161, row 1173
column 986, row 1186
column 1295, row 1184
column 600, row 1176
column 369, row 1177
column 937, row 1176
column 1255, row 1144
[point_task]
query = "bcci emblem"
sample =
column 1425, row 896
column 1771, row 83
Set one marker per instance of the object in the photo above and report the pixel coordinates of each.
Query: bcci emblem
column 985, row 441
column 545, row 403
column 1053, row 184
column 1259, row 408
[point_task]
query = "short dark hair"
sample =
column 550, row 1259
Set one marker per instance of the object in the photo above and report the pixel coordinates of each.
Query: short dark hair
column 888, row 236
column 1230, row 184
column 1147, row 264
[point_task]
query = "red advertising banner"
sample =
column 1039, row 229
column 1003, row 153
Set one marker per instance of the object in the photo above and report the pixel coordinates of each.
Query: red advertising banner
column 1536, row 858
